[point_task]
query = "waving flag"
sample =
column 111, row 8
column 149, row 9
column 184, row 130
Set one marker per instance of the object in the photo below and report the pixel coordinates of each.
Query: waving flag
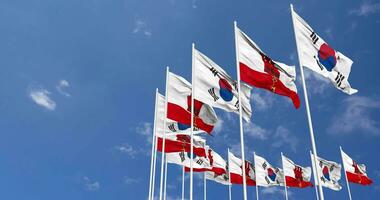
column 356, row 173
column 259, row 70
column 295, row 175
column 183, row 158
column 217, row 89
column 266, row 174
column 178, row 143
column 179, row 106
column 315, row 54
column 236, row 171
column 329, row 173
column 219, row 178
column 217, row 163
column 172, row 127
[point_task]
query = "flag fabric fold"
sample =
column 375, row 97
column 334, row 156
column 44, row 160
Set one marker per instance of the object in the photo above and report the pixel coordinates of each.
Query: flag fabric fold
column 178, row 143
column 217, row 89
column 236, row 171
column 266, row 174
column 179, row 106
column 315, row 54
column 259, row 70
column 296, row 175
column 356, row 173
column 328, row 172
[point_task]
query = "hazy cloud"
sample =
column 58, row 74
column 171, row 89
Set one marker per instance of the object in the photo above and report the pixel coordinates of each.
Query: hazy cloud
column 130, row 180
column 91, row 185
column 355, row 115
column 62, row 85
column 41, row 97
column 141, row 27
column 366, row 8
column 283, row 137
column 127, row 149
column 145, row 129
column 256, row 131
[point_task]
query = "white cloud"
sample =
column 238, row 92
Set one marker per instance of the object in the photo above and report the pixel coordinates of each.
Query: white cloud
column 145, row 129
column 355, row 114
column 130, row 180
column 62, row 84
column 218, row 126
column 141, row 27
column 256, row 131
column 194, row 4
column 316, row 84
column 366, row 8
column 262, row 100
column 91, row 185
column 283, row 137
column 41, row 97
column 275, row 191
column 329, row 33
column 127, row 149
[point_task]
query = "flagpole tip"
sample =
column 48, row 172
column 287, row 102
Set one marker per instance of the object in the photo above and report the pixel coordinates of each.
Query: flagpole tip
column 156, row 90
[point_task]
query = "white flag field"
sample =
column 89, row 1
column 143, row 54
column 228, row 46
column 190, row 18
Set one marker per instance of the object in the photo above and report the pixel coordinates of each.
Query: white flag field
column 266, row 174
column 315, row 54
column 216, row 88
column 329, row 173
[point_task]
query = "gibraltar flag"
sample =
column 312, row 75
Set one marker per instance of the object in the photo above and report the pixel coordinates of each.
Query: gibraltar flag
column 179, row 105
column 178, row 143
column 266, row 174
column 328, row 172
column 216, row 88
column 295, row 175
column 219, row 178
column 172, row 127
column 259, row 70
column 315, row 54
column 356, row 173
column 236, row 171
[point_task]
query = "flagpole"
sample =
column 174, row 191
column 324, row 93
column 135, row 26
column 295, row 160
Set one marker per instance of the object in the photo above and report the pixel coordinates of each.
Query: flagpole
column 314, row 175
column 153, row 145
column 240, row 115
column 314, row 148
column 183, row 183
column 229, row 175
column 257, row 187
column 154, row 166
column 166, row 177
column 192, row 121
column 345, row 174
column 204, row 186
column 286, row 190
column 164, row 135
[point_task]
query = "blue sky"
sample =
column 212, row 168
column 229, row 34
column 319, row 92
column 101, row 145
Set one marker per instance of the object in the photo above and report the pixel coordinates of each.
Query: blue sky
column 78, row 78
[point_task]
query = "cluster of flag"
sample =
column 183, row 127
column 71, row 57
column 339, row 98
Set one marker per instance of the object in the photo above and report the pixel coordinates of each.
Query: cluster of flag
column 187, row 110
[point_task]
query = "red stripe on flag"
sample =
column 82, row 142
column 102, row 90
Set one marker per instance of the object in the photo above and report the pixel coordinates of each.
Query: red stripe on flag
column 265, row 81
column 216, row 170
column 292, row 182
column 358, row 178
column 172, row 146
column 238, row 179
column 181, row 115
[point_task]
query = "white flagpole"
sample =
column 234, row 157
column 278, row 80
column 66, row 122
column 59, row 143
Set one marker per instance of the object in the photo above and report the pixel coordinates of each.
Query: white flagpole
column 345, row 174
column 257, row 187
column 151, row 185
column 315, row 176
column 240, row 115
column 229, row 175
column 314, row 148
column 204, row 186
column 192, row 121
column 164, row 135
column 154, row 166
column 166, row 177
column 183, row 183
column 286, row 190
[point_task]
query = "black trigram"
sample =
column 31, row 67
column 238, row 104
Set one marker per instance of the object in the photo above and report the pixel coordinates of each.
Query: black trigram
column 214, row 71
column 211, row 91
column 237, row 104
column 267, row 180
column 182, row 156
column 265, row 165
column 199, row 162
column 339, row 79
column 172, row 128
column 314, row 37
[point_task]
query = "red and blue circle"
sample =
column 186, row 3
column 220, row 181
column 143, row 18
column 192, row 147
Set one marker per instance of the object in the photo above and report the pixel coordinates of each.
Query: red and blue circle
column 326, row 56
column 271, row 174
column 225, row 90
column 326, row 173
